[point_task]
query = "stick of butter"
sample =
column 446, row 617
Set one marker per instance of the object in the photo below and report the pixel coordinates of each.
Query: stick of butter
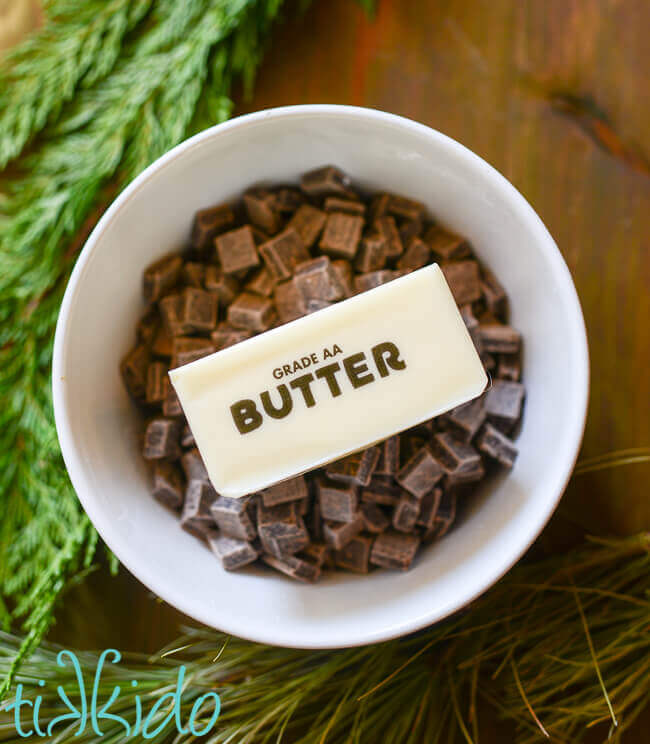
column 329, row 384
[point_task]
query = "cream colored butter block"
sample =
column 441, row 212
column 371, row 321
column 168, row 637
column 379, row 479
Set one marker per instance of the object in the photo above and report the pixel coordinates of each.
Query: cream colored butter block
column 323, row 386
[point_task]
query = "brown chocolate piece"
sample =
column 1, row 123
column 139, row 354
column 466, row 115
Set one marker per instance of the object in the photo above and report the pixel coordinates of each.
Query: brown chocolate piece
column 356, row 468
column 339, row 534
column 499, row 339
column 293, row 489
column 316, row 279
column 472, row 325
column 161, row 439
column 294, row 567
column 394, row 550
column 308, row 222
column 171, row 405
column 463, row 280
column 467, row 419
column 428, row 509
column 349, row 206
column 282, row 253
column 236, row 251
column 460, row 461
column 445, row 516
column 289, row 302
column 193, row 274
column 389, row 456
column 156, row 382
column 281, row 529
column 261, row 283
column 355, row 555
column 162, row 342
column 233, row 518
column 409, row 230
column 199, row 528
column 188, row 349
column 172, row 310
column 134, row 368
column 494, row 295
column 161, row 276
column 225, row 287
column 372, row 279
column 387, row 228
column 406, row 512
column 498, row 446
column 381, row 490
column 193, row 466
column 208, row 223
column 288, row 199
column 167, row 484
column 503, row 403
column 378, row 206
column 341, row 235
column 509, row 367
column 262, row 210
column 316, row 553
column 199, row 498
column 420, row 473
column 233, row 553
column 325, row 181
column 147, row 327
column 404, row 208
column 251, row 312
column 187, row 438
column 446, row 246
column 226, row 335
column 343, row 270
column 417, row 255
column 314, row 518
column 338, row 501
column 374, row 519
column 372, row 254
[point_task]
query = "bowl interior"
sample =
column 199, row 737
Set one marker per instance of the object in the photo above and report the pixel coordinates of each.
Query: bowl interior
column 98, row 425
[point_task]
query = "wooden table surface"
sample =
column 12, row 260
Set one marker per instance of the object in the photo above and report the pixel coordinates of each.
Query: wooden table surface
column 551, row 93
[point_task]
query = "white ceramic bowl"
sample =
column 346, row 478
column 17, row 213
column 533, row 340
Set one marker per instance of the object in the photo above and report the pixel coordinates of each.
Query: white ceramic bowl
column 97, row 424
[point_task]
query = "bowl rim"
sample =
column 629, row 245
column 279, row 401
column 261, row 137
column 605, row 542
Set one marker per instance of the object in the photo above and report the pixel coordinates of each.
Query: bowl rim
column 579, row 387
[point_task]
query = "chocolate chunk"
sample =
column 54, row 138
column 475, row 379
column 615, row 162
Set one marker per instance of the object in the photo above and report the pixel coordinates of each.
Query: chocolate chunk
column 308, row 222
column 372, row 254
column 167, row 484
column 134, row 369
column 325, row 181
column 349, row 206
column 161, row 439
column 156, row 382
column 314, row 519
column 188, row 349
column 162, row 342
column 208, row 223
column 172, row 310
column 341, row 235
column 373, row 279
column 406, row 513
column 288, row 199
column 289, row 302
column 161, row 276
column 193, row 274
column 387, row 228
column 378, row 206
column 282, row 253
column 389, row 456
column 463, row 280
column 343, row 270
column 404, row 208
column 294, row 567
column 193, row 466
column 187, row 438
column 261, row 283
column 428, row 509
column 262, row 210
column 251, row 312
column 171, row 405
column 202, row 529
column 293, row 489
column 355, row 555
column 394, row 550
column 374, row 519
column 233, row 553
column 281, row 529
column 381, row 490
column 498, row 446
column 445, row 515
column 467, row 419
column 503, row 403
column 225, row 287
column 409, row 230
column 417, row 255
column 509, row 367
column 472, row 325
column 499, row 339
column 339, row 534
column 236, row 251
column 460, row 461
column 303, row 505
column 356, row 468
column 494, row 295
column 316, row 553
column 316, row 279
column 147, row 327
column 420, row 473
column 233, row 518
column 338, row 501
column 446, row 246
column 199, row 499
column 226, row 335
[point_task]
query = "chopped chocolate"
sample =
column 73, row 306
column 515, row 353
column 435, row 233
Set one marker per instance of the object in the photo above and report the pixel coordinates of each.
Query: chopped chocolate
column 148, row 326
column 199, row 499
column 171, row 405
column 236, row 251
column 446, row 246
column 317, row 553
column 394, row 550
column 503, row 404
column 498, row 446
column 225, row 287
column 281, row 529
column 226, row 335
column 409, row 230
column 404, row 208
column 341, row 235
column 387, row 228
column 355, row 555
column 262, row 210
column 406, row 512
column 162, row 342
column 499, row 339
column 308, row 222
column 161, row 439
column 460, row 461
column 445, row 515
column 420, row 473
column 417, row 255
column 261, row 283
column 463, row 280
column 233, row 518
column 349, row 206
column 193, row 274
column 389, row 456
column 188, row 349
column 172, row 310
column 467, row 419
column 374, row 519
column 161, row 276
column 428, row 509
column 343, row 270
column 325, row 181
column 289, row 302
column 339, row 534
column 494, row 295
column 316, row 279
column 233, row 553
column 167, row 484
column 134, row 368
column 156, row 382
column 294, row 567
column 372, row 279
column 293, row 489
column 509, row 367
column 380, row 491
column 372, row 254
column 208, row 223
column 251, row 312
column 187, row 438
column 378, row 206
column 193, row 466
column 472, row 325
column 356, row 468
column 338, row 501
column 282, row 253
column 288, row 199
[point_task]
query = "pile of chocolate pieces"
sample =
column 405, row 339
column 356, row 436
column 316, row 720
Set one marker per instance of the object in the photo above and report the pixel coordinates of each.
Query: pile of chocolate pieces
column 278, row 255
